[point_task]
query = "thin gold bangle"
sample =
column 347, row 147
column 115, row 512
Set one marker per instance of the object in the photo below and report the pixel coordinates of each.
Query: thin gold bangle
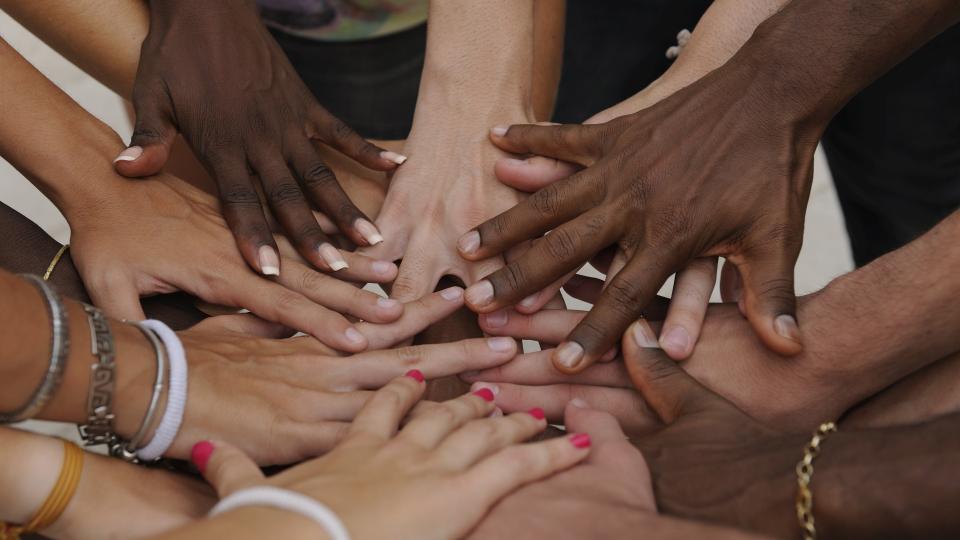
column 805, row 475
column 56, row 258
column 57, row 500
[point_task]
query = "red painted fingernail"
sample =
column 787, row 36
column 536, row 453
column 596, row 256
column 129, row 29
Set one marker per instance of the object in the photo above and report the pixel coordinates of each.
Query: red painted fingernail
column 484, row 393
column 200, row 455
column 580, row 440
column 415, row 374
column 537, row 413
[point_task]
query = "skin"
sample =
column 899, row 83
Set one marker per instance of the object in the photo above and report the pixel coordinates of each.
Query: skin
column 740, row 192
column 449, row 461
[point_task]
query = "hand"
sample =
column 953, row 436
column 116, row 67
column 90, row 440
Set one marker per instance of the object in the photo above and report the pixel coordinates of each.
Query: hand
column 435, row 478
column 252, row 128
column 162, row 234
column 677, row 202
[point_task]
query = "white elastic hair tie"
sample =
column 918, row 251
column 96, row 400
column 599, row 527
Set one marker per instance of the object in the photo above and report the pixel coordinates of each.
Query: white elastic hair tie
column 176, row 393
column 290, row 501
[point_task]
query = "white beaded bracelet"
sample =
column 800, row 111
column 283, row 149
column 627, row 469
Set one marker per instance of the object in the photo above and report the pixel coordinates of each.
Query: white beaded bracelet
column 176, row 394
column 290, row 501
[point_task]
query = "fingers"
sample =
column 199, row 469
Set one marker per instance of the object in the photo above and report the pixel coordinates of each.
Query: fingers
column 240, row 205
column 536, row 369
column 665, row 386
column 537, row 300
column 601, row 426
column 344, row 139
column 416, row 276
column 428, row 429
column 246, row 324
column 417, row 316
column 533, row 173
column 116, row 294
column 550, row 326
column 731, row 288
column 339, row 296
column 225, row 467
column 688, row 306
column 483, row 437
column 380, row 417
column 153, row 135
column 770, row 301
column 373, row 369
column 571, row 142
column 363, row 269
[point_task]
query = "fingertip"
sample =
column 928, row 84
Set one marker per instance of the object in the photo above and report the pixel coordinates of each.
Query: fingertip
column 787, row 339
column 137, row 161
column 675, row 341
column 200, row 455
column 569, row 357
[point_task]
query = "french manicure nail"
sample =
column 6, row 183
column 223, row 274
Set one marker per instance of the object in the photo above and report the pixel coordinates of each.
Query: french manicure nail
column 485, row 394
column 569, row 354
column 496, row 319
column 480, row 293
column 579, row 403
column 580, row 440
column 537, row 413
column 500, row 344
column 200, row 455
column 387, row 303
column 269, row 261
column 469, row 242
column 530, row 301
column 451, row 294
column 332, row 257
column 130, row 154
column 786, row 326
column 499, row 131
column 393, row 156
column 676, row 338
column 643, row 336
column 353, row 336
column 368, row 231
column 383, row 268
column 414, row 374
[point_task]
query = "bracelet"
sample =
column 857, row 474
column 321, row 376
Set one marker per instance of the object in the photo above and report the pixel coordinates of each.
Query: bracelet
column 176, row 395
column 59, row 351
column 290, row 501
column 805, row 475
column 99, row 426
column 128, row 451
column 56, row 258
column 58, row 499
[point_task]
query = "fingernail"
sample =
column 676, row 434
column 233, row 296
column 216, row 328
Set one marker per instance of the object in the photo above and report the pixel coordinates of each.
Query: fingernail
column 368, row 231
column 469, row 242
column 200, row 455
column 393, row 156
column 786, row 326
column 537, row 413
column 499, row 131
column 484, row 393
column 497, row 413
column 480, row 294
column 580, row 440
column 496, row 319
column 452, row 294
column 676, row 338
column 610, row 355
column 579, row 403
column 332, row 257
column 383, row 268
column 643, row 336
column 500, row 344
column 269, row 261
column 530, row 301
column 515, row 161
column 569, row 354
column 414, row 374
column 130, row 154
column 387, row 303
column 353, row 335
column 485, row 386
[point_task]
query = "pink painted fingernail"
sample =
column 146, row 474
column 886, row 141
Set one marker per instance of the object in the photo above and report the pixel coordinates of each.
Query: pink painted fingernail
column 200, row 455
column 353, row 335
column 269, row 261
column 469, row 242
column 387, row 303
column 484, row 393
column 499, row 131
column 480, row 293
column 130, row 154
column 643, row 335
column 332, row 257
column 569, row 354
column 368, row 231
column 485, row 386
column 415, row 374
column 676, row 338
column 501, row 344
column 393, row 156
column 537, row 413
column 496, row 319
column 452, row 294
column 580, row 440
column 786, row 326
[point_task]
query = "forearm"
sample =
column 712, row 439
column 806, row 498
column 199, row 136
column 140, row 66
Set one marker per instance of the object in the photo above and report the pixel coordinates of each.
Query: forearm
column 548, row 31
column 251, row 522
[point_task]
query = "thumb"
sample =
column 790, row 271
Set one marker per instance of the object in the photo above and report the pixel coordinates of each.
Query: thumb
column 569, row 142
column 117, row 296
column 770, row 302
column 667, row 388
column 153, row 136
column 225, row 467
column 533, row 173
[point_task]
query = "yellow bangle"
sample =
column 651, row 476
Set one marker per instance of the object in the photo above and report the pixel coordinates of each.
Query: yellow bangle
column 57, row 500
column 805, row 475
column 56, row 258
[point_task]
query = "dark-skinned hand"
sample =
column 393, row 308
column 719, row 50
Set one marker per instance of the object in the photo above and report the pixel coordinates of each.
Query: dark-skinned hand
column 211, row 71
column 713, row 170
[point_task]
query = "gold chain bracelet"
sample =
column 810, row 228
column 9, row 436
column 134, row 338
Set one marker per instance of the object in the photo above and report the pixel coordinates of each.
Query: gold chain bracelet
column 53, row 264
column 805, row 475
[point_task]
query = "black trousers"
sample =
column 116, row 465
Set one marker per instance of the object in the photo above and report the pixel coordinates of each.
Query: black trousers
column 894, row 150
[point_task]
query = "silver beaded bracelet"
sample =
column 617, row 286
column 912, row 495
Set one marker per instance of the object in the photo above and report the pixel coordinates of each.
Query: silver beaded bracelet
column 59, row 351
